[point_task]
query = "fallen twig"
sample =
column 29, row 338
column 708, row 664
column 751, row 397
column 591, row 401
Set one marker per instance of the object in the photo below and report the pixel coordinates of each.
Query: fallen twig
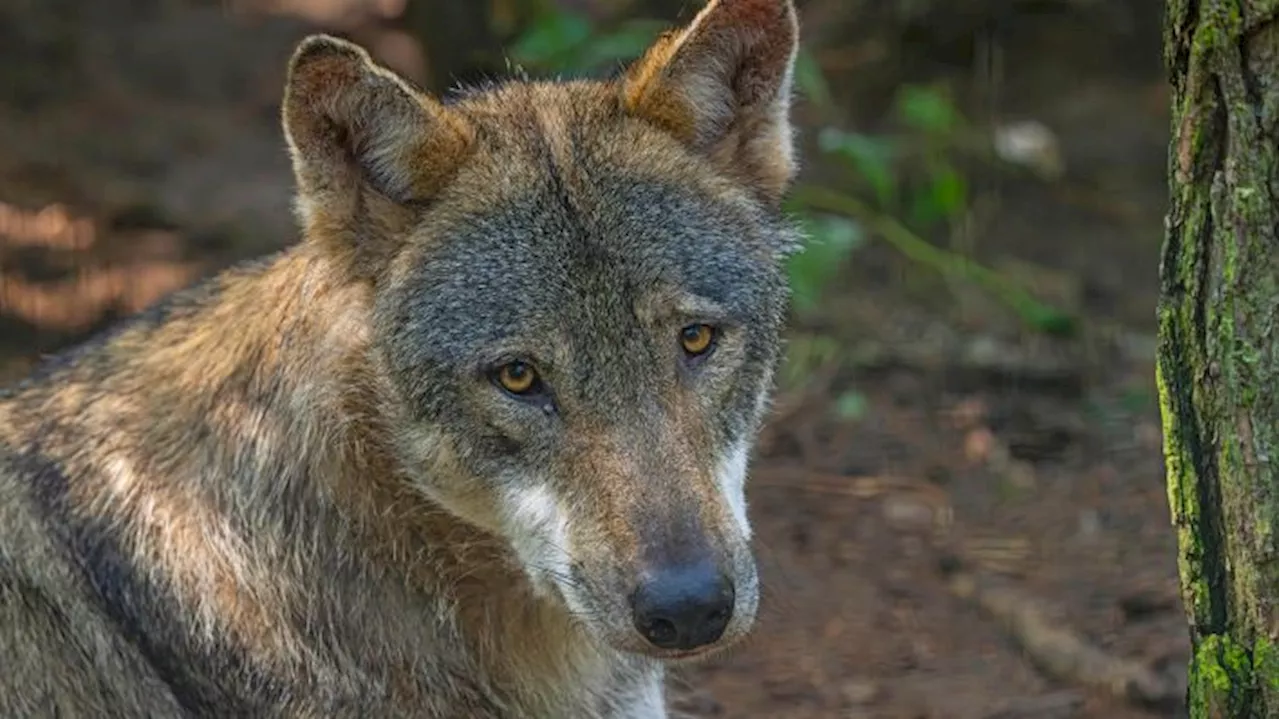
column 930, row 496
column 1057, row 650
column 982, row 363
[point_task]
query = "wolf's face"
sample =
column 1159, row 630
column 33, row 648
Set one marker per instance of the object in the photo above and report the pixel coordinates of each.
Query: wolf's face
column 596, row 349
column 579, row 300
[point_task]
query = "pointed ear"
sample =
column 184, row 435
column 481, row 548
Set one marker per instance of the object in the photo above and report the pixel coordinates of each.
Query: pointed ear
column 723, row 86
column 351, row 124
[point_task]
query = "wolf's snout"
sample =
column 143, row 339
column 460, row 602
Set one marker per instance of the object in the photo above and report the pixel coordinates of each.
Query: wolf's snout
column 683, row 607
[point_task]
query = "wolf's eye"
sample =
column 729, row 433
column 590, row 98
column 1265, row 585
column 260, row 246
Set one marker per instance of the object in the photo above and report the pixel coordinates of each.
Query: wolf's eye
column 517, row 377
column 698, row 339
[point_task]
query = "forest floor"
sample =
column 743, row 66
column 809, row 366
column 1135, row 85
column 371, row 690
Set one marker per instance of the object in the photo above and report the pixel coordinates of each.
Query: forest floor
column 988, row 537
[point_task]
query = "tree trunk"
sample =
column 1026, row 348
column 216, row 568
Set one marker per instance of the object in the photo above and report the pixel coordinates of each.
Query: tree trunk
column 1216, row 361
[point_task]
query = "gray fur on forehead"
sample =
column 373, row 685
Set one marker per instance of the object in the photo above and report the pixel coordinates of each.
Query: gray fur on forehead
column 544, row 262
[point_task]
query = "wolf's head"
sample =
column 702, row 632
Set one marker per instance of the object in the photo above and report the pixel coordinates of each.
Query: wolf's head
column 578, row 300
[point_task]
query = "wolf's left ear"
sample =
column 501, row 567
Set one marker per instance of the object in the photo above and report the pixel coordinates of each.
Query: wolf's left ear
column 723, row 86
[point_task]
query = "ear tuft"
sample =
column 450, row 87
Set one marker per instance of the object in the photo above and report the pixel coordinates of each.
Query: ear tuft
column 350, row 122
column 722, row 85
column 314, row 47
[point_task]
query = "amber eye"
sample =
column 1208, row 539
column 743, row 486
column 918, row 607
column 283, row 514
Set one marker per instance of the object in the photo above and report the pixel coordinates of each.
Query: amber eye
column 517, row 377
column 697, row 339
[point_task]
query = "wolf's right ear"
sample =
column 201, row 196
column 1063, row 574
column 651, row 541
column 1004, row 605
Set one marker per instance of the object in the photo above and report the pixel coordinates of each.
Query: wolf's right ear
column 350, row 122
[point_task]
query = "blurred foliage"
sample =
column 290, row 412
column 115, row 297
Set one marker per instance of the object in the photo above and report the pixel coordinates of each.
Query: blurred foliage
column 830, row 240
column 904, row 187
column 559, row 41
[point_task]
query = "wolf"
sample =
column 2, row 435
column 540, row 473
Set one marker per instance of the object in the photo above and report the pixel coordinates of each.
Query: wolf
column 475, row 446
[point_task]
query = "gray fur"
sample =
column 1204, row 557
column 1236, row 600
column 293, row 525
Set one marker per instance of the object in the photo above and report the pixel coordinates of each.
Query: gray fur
column 295, row 491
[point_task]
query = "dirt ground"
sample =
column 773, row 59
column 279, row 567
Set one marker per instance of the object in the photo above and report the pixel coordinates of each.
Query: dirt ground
column 989, row 539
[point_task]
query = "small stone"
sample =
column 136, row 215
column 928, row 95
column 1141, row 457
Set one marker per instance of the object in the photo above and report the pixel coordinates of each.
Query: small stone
column 907, row 513
column 860, row 692
column 978, row 445
column 1030, row 144
column 1090, row 523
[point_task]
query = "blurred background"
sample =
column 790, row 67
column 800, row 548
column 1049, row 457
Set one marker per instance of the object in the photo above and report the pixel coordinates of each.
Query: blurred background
column 960, row 498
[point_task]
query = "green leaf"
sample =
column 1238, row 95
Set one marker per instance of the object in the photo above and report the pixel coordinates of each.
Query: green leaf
column 870, row 157
column 831, row 239
column 552, row 40
column 1049, row 320
column 851, row 405
column 811, row 81
column 944, row 198
column 927, row 109
column 626, row 43
column 948, row 192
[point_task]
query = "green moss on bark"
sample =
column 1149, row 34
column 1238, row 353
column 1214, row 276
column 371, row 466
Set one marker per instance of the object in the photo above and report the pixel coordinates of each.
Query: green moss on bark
column 1217, row 354
column 1227, row 678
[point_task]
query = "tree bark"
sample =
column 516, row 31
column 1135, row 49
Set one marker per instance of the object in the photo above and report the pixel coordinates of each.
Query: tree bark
column 1216, row 360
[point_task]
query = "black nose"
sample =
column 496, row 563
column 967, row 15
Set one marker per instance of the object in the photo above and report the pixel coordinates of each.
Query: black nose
column 683, row 607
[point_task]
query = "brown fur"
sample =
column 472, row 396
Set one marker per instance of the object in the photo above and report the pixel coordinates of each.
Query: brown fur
column 237, row 504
